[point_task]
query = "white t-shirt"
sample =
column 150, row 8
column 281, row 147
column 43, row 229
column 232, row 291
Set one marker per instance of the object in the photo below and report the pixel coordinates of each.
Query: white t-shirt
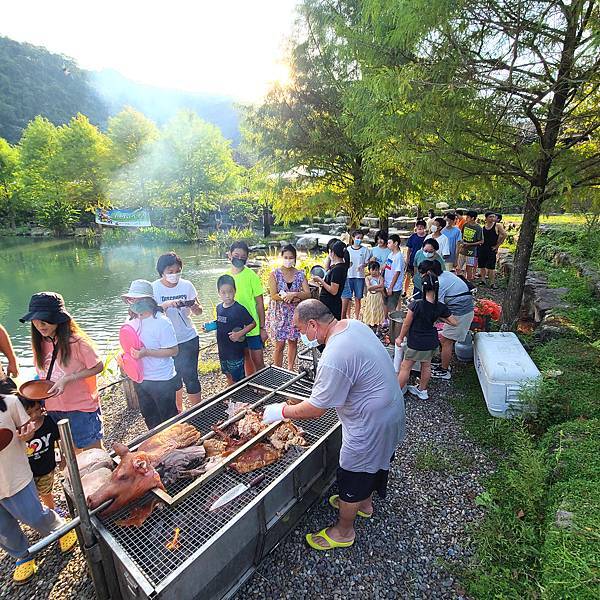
column 444, row 244
column 356, row 377
column 15, row 473
column 394, row 264
column 156, row 333
column 180, row 317
column 358, row 256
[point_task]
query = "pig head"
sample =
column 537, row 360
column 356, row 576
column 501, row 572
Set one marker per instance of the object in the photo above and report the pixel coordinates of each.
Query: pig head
column 133, row 477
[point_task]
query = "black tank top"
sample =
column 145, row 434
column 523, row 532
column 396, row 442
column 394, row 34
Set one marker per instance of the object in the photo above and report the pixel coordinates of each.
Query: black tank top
column 490, row 236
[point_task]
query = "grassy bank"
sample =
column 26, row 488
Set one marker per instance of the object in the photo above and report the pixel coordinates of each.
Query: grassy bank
column 541, row 534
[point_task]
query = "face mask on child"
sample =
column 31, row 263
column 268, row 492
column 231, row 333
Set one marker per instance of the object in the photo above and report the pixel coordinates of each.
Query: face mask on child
column 288, row 263
column 429, row 254
column 434, row 228
column 357, row 241
column 173, row 277
column 238, row 263
column 141, row 306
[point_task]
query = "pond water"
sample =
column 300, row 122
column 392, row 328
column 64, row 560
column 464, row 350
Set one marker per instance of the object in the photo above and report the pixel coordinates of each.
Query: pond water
column 92, row 276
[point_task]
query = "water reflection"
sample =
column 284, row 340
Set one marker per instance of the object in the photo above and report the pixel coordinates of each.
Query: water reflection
column 92, row 276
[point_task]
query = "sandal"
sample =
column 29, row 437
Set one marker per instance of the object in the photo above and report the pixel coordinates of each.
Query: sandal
column 25, row 569
column 67, row 542
column 333, row 501
column 310, row 540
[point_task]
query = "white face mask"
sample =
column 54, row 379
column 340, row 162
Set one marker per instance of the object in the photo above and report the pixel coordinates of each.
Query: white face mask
column 308, row 342
column 173, row 277
column 288, row 262
column 434, row 228
column 428, row 254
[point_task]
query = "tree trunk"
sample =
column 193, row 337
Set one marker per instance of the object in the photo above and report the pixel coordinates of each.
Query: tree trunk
column 266, row 221
column 516, row 284
column 384, row 223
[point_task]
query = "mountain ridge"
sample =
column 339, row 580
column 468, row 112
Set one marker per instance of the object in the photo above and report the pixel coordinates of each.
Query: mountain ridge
column 35, row 81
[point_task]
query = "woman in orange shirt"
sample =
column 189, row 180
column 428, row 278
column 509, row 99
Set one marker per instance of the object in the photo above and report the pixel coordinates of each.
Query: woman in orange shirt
column 64, row 354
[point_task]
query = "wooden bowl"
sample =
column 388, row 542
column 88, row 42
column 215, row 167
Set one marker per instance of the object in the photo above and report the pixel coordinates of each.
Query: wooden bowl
column 36, row 389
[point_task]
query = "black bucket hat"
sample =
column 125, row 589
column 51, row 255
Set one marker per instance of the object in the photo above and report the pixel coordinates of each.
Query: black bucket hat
column 47, row 306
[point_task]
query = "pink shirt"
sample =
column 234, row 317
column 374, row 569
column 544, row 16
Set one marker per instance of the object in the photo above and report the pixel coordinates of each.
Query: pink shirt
column 81, row 394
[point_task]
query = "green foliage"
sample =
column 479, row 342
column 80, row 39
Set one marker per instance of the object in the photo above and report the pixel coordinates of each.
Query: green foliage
column 209, row 365
column 10, row 201
column 432, row 458
column 224, row 238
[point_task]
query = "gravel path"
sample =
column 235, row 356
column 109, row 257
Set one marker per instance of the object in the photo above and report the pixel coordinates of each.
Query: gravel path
column 410, row 549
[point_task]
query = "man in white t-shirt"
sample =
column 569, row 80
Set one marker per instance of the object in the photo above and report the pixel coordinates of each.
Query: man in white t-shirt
column 355, row 281
column 356, row 377
column 393, row 275
column 440, row 238
column 179, row 299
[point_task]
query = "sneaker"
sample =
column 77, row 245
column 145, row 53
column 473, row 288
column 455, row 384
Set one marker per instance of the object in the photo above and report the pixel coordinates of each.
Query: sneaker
column 67, row 542
column 24, row 571
column 420, row 394
column 439, row 373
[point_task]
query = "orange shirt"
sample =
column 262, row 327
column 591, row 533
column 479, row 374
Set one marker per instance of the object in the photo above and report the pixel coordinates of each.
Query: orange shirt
column 460, row 222
column 81, row 394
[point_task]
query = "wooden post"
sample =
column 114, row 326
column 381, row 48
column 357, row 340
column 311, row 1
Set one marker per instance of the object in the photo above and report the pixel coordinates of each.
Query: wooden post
column 130, row 393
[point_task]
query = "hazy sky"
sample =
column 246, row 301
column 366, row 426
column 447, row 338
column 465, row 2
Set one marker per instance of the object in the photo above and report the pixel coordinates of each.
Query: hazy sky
column 231, row 47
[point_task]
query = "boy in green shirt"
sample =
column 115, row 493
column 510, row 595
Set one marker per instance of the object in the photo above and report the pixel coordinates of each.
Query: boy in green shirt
column 249, row 293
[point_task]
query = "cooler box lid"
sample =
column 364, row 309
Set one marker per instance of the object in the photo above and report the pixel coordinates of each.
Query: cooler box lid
column 503, row 358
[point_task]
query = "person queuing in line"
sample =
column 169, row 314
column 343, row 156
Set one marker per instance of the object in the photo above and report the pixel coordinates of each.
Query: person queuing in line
column 472, row 238
column 250, row 294
column 440, row 238
column 457, row 296
column 493, row 237
column 454, row 235
column 64, row 354
column 40, row 449
column 430, row 219
column 287, row 287
column 414, row 244
column 179, row 299
column 393, row 276
column 19, row 499
column 332, row 285
column 373, row 309
column 421, row 335
column 355, row 279
column 461, row 219
column 429, row 251
column 157, row 392
column 357, row 378
column 380, row 250
column 7, row 385
column 234, row 322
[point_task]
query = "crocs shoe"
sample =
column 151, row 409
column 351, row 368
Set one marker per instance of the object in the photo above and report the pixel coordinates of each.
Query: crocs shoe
column 67, row 542
column 24, row 571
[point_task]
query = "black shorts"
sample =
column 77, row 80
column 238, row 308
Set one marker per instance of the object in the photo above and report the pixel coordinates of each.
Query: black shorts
column 486, row 259
column 355, row 486
column 186, row 365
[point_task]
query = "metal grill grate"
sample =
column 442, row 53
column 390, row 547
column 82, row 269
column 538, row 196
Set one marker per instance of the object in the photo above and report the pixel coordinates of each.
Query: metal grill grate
column 145, row 545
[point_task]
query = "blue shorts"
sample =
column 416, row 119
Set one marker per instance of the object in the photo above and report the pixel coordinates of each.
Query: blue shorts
column 355, row 286
column 254, row 342
column 86, row 427
column 233, row 367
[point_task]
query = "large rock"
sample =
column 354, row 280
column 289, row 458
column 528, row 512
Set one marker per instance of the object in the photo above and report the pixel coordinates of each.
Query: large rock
column 539, row 299
column 307, row 242
column 312, row 230
column 342, row 219
column 370, row 222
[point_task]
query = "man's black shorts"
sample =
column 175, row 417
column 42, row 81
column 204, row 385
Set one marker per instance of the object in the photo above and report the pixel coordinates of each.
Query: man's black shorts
column 356, row 486
column 486, row 259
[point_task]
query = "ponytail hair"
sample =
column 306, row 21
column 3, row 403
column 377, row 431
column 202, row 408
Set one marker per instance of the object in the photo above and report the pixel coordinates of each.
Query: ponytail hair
column 431, row 284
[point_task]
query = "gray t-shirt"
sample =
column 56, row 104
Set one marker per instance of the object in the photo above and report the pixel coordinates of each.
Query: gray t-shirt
column 356, row 377
column 451, row 289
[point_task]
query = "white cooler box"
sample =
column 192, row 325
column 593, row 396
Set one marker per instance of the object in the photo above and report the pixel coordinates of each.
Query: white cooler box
column 503, row 367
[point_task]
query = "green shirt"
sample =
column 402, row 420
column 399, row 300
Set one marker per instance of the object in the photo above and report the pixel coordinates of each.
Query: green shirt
column 471, row 233
column 419, row 258
column 247, row 288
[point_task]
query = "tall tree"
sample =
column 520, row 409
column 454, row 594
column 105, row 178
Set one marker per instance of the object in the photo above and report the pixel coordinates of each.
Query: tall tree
column 9, row 198
column 195, row 164
column 494, row 91
column 81, row 163
column 131, row 136
column 303, row 130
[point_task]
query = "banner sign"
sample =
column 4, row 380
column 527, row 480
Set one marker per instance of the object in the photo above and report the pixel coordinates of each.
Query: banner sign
column 126, row 217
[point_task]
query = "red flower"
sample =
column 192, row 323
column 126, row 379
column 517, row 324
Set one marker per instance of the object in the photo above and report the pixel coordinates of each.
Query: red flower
column 485, row 307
